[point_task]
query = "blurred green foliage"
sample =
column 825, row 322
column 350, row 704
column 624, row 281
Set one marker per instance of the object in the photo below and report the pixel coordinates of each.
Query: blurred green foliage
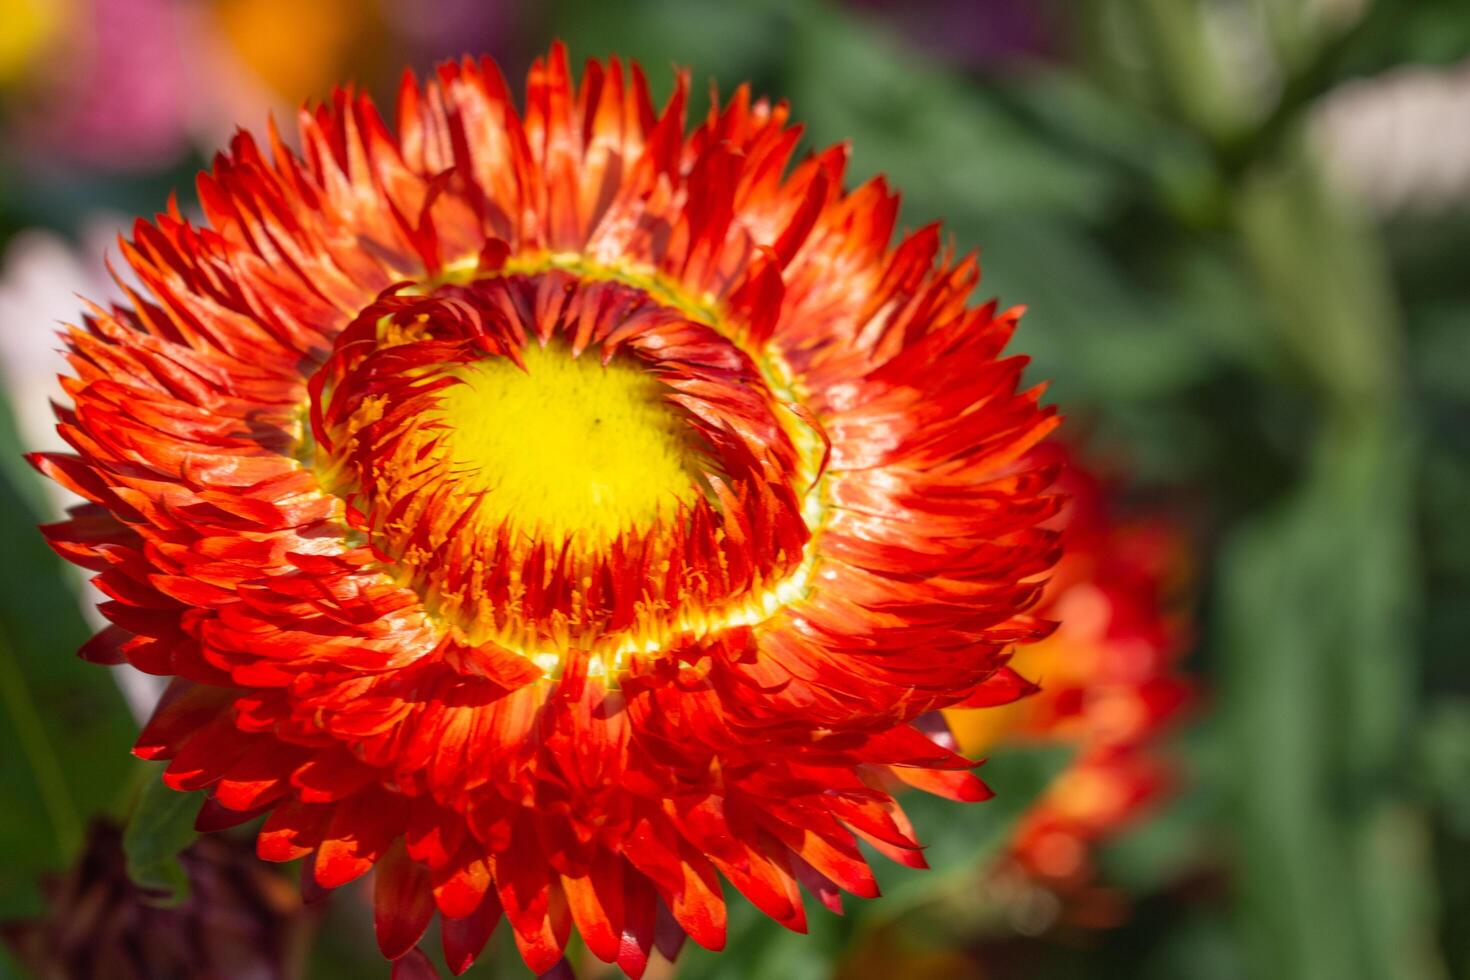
column 1288, row 369
column 64, row 730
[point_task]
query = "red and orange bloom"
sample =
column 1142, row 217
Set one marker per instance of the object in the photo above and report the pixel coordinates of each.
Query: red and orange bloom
column 556, row 511
column 1108, row 681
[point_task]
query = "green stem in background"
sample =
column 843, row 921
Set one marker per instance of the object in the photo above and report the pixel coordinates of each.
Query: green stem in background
column 1318, row 612
column 44, row 763
column 1324, row 279
column 1317, row 604
column 1201, row 93
column 1317, row 619
column 1195, row 84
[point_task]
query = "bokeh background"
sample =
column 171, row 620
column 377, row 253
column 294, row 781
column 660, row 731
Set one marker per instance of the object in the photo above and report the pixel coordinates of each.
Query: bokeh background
column 1242, row 229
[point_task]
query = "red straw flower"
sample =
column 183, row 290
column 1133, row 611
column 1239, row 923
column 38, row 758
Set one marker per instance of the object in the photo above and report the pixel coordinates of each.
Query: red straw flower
column 557, row 511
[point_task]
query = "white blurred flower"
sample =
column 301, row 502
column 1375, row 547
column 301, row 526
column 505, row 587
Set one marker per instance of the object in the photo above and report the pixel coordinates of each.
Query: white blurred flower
column 42, row 277
column 1401, row 141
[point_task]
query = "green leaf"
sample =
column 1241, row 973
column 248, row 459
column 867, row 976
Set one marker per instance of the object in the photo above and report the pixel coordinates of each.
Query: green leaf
column 160, row 828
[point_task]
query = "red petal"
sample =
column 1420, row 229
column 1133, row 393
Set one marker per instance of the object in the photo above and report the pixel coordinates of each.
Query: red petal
column 1001, row 687
column 667, row 934
column 596, row 904
column 213, row 817
column 312, row 893
column 639, row 916
column 685, row 879
column 185, row 709
column 402, row 905
column 534, row 903
column 361, row 830
column 818, row 884
column 464, row 937
column 757, row 301
column 330, row 776
column 259, row 777
column 414, row 966
column 951, row 784
column 207, row 755
column 292, row 830
column 106, row 647
column 460, row 887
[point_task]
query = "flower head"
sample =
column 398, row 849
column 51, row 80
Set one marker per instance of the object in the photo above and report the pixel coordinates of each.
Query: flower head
column 559, row 511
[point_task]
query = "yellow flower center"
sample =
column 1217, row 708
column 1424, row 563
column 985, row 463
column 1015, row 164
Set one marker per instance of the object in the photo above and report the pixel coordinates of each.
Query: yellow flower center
column 570, row 449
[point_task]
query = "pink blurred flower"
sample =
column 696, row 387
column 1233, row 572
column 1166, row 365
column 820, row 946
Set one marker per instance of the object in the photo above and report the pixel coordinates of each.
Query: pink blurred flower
column 115, row 95
column 976, row 33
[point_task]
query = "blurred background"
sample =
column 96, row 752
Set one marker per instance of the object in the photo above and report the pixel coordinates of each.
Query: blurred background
column 1242, row 230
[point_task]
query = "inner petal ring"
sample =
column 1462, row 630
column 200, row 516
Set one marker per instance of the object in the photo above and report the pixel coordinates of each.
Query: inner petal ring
column 557, row 464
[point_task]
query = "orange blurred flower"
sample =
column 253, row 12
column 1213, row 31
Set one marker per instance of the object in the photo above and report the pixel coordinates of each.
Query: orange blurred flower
column 1108, row 678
